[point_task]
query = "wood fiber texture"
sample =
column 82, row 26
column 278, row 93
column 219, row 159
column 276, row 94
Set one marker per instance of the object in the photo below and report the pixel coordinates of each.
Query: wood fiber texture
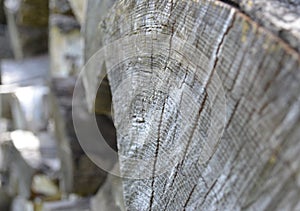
column 282, row 17
column 215, row 117
column 97, row 10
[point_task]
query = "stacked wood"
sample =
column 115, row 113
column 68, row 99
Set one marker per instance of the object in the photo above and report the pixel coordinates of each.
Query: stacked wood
column 13, row 164
column 66, row 61
column 79, row 9
column 86, row 176
column 93, row 43
column 23, row 153
column 66, row 42
column 207, row 100
column 28, row 26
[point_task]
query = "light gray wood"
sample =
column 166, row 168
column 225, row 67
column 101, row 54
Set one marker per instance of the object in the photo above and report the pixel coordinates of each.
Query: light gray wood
column 79, row 10
column 27, row 26
column 255, row 165
column 13, row 164
column 279, row 16
column 96, row 11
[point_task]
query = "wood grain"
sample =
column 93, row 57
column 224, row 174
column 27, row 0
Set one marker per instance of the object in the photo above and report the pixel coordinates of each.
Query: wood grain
column 279, row 16
column 255, row 165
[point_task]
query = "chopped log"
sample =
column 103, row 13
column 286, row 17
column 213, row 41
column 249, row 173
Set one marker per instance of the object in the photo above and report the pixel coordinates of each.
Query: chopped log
column 27, row 72
column 64, row 148
column 170, row 65
column 21, row 204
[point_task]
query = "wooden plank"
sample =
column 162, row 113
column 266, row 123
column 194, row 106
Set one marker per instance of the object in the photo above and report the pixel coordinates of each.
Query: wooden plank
column 169, row 99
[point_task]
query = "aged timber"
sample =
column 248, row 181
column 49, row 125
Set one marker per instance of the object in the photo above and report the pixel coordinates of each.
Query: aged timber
column 255, row 164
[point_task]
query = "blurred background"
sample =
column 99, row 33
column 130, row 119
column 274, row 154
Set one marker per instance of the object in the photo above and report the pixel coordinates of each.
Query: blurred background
column 42, row 165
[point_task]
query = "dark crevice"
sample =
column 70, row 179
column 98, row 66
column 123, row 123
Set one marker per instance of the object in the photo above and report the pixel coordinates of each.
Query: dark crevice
column 231, row 3
column 107, row 130
column 191, row 135
column 189, row 197
column 230, row 26
column 156, row 155
column 208, row 192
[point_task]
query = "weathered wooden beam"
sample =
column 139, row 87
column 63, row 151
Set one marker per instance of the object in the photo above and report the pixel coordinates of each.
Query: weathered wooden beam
column 206, row 106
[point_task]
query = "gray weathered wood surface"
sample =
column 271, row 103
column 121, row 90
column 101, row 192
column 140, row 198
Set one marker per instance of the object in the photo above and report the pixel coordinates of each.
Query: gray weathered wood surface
column 280, row 16
column 256, row 164
column 97, row 10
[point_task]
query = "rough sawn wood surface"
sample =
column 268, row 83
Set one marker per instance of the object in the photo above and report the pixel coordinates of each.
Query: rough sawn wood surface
column 170, row 100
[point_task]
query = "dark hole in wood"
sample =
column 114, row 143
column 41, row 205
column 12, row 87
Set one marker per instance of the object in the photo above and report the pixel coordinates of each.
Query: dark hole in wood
column 107, row 130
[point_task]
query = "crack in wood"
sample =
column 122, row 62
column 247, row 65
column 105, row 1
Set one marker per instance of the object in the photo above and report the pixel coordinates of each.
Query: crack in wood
column 190, row 138
column 219, row 46
column 214, row 38
column 189, row 197
column 156, row 155
column 231, row 3
column 208, row 192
